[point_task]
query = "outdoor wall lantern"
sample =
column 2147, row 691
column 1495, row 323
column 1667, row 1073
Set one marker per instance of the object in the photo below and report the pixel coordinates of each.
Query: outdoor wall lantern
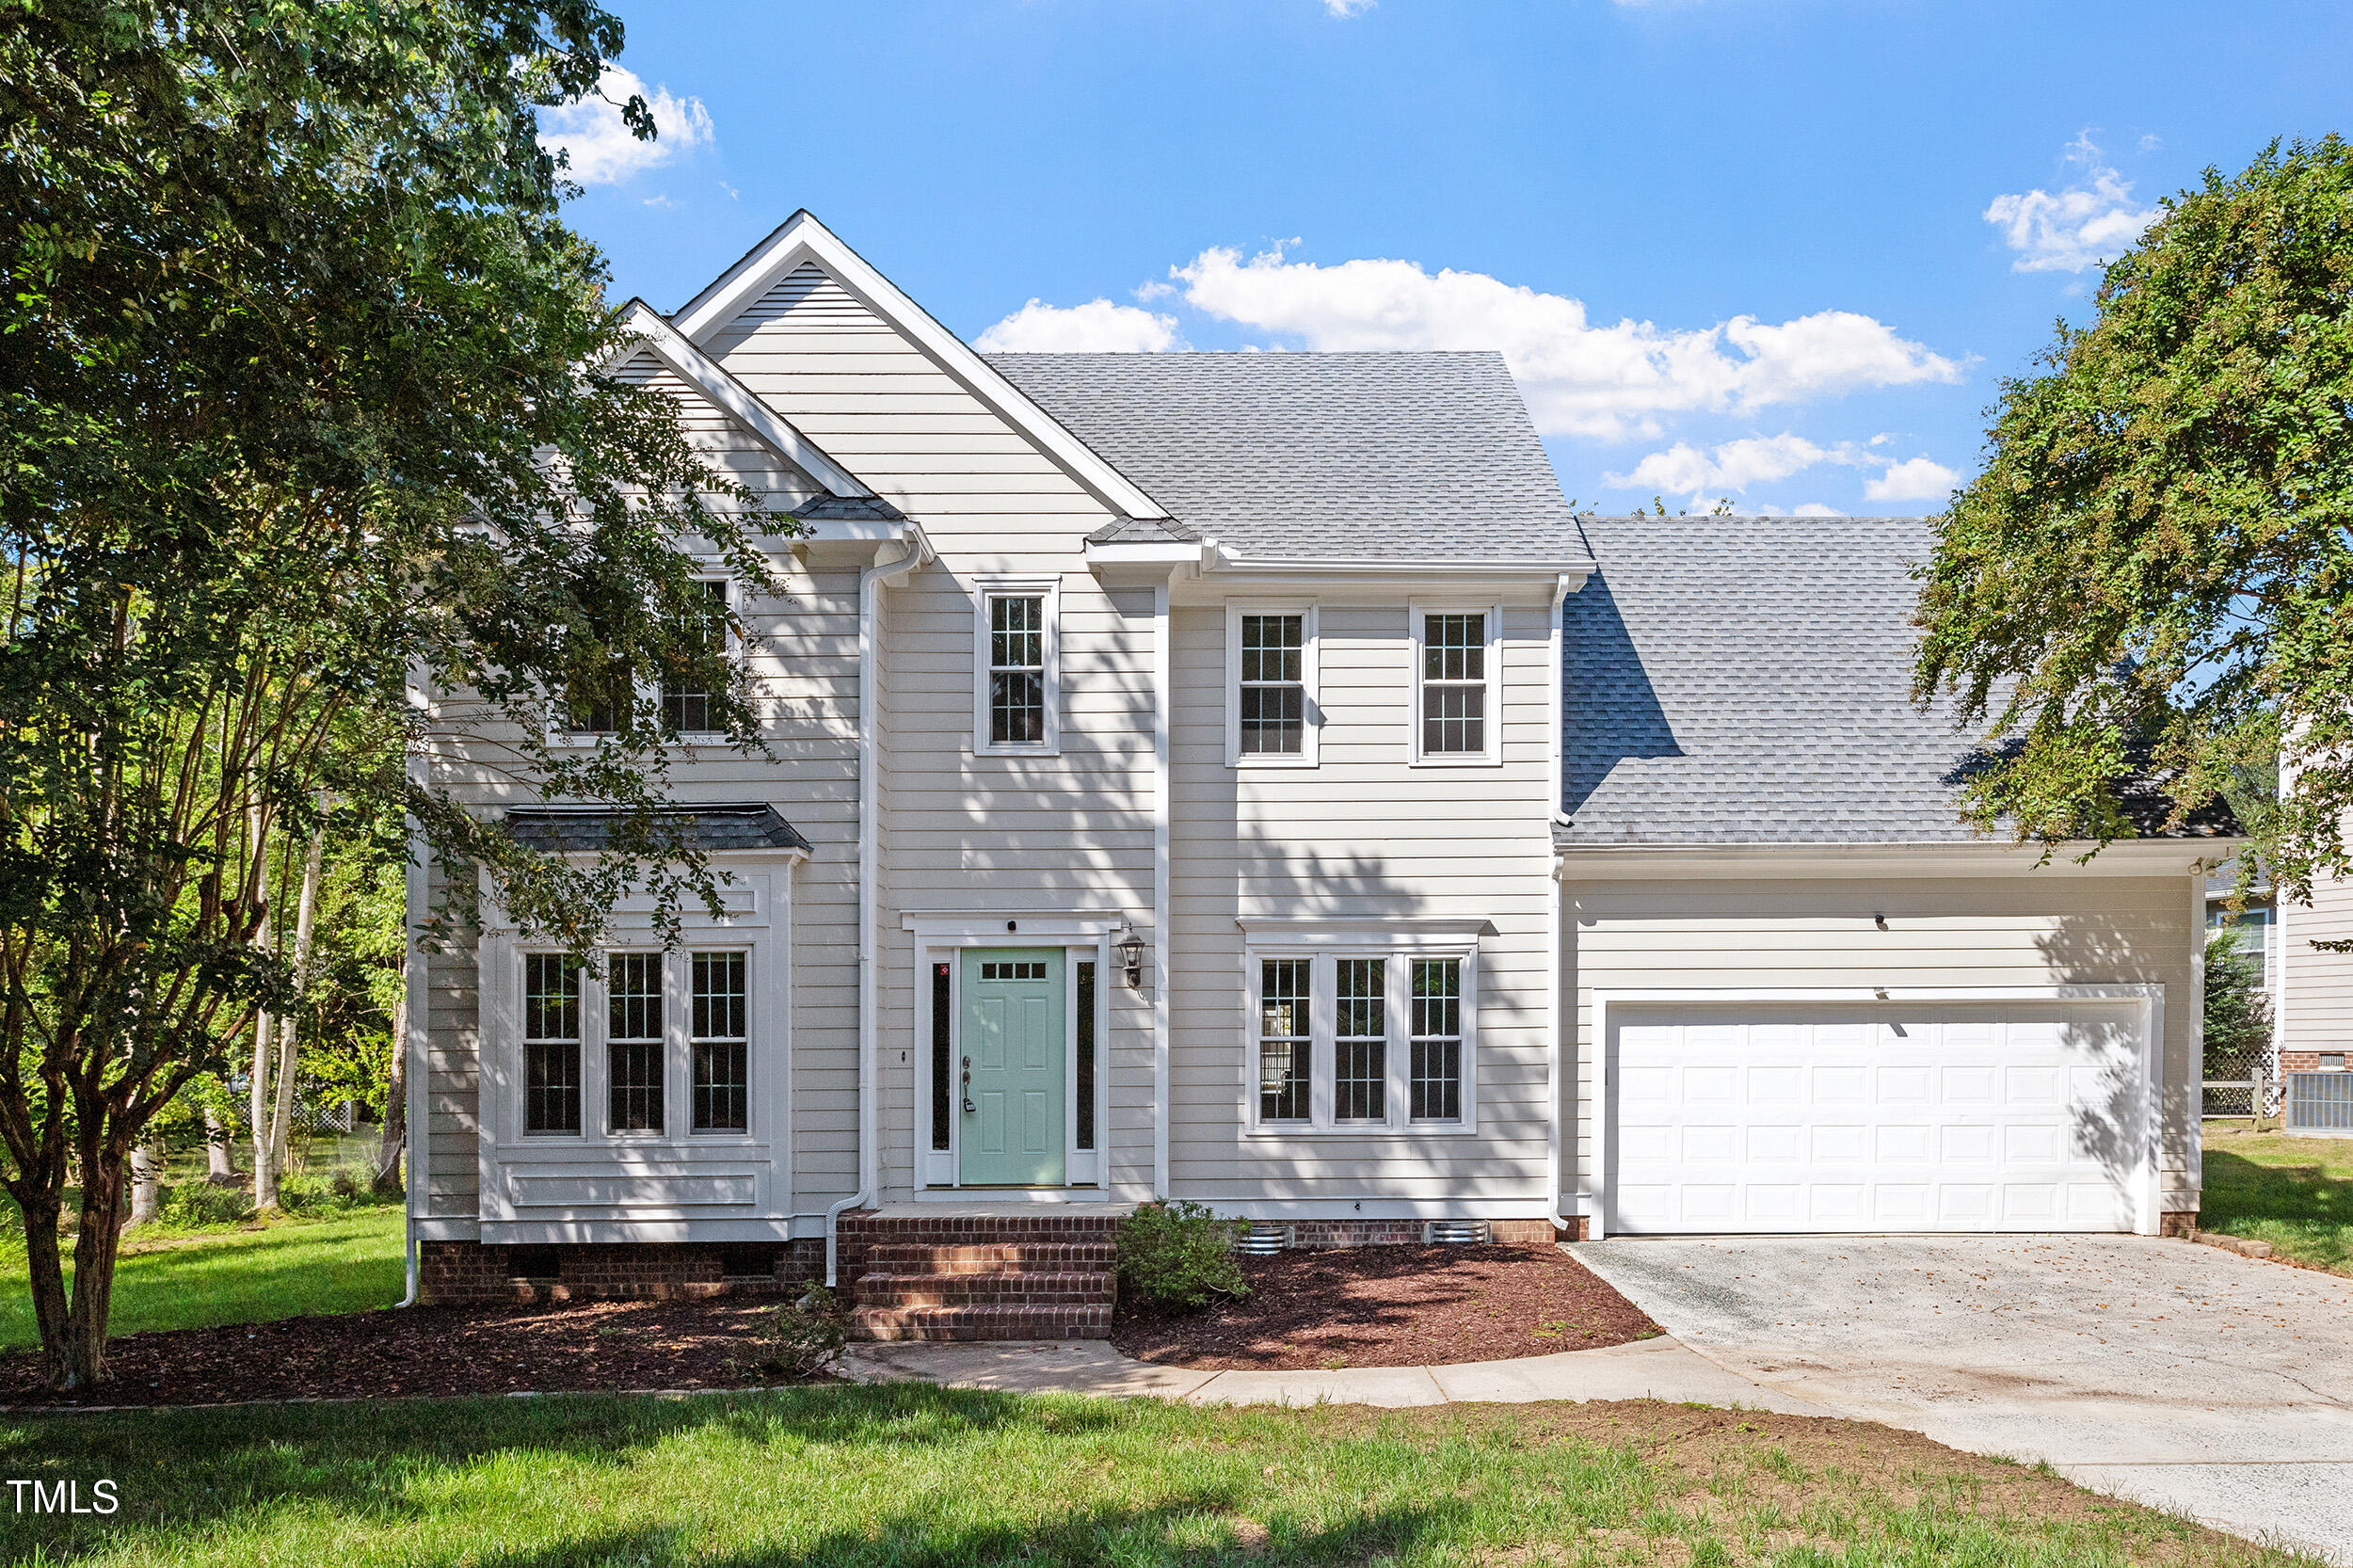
column 1131, row 955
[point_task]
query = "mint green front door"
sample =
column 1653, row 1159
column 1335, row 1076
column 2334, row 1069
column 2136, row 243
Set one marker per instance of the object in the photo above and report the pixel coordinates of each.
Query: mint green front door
column 1014, row 1050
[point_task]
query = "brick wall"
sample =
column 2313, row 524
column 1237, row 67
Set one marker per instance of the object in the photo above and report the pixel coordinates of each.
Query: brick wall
column 1409, row 1233
column 2308, row 1060
column 471, row 1273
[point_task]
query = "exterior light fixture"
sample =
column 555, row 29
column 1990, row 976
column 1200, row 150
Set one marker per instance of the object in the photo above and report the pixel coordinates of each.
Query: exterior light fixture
column 1131, row 956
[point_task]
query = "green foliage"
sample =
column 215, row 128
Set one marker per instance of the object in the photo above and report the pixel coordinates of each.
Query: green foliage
column 304, row 396
column 201, row 1205
column 2238, row 1009
column 2296, row 1193
column 1176, row 1256
column 798, row 1341
column 2151, row 582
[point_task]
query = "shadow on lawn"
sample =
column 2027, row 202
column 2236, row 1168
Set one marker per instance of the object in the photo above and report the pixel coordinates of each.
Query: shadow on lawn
column 378, row 1470
column 2301, row 1206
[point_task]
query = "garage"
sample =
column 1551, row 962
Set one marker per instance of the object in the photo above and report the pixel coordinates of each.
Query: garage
column 1795, row 1115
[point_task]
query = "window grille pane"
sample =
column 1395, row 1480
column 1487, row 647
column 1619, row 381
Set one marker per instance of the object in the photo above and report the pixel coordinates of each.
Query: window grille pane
column 550, row 1043
column 1016, row 670
column 1454, row 719
column 942, row 1069
column 1085, row 1085
column 633, row 1041
column 1360, row 1066
column 722, row 1017
column 1273, row 689
column 1454, row 647
column 1284, row 1046
column 1273, row 720
column 1437, row 1040
column 692, row 712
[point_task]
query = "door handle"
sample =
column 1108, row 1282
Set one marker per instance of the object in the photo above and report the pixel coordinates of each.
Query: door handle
column 969, row 1105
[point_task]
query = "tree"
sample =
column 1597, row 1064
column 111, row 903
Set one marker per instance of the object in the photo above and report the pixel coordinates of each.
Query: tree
column 2150, row 585
column 301, row 411
column 2238, row 1011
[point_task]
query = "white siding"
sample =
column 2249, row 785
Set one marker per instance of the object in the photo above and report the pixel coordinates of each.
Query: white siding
column 2046, row 928
column 984, row 834
column 2318, row 986
column 1360, row 835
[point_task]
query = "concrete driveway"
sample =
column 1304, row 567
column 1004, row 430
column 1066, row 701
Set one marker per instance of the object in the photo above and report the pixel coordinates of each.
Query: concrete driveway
column 2174, row 1374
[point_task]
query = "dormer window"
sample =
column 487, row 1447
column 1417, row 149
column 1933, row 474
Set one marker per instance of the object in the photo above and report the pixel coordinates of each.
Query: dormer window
column 1015, row 664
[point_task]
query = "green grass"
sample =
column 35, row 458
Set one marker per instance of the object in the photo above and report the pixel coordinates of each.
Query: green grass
column 914, row 1475
column 338, row 1261
column 2296, row 1193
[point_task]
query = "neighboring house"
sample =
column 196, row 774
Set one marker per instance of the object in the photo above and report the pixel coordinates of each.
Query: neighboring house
column 2315, row 1018
column 2256, row 922
column 1239, row 777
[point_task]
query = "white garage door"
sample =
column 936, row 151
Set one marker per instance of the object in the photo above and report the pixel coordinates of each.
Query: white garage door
column 1843, row 1117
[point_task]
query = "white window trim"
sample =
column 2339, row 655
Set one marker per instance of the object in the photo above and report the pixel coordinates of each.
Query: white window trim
column 1398, row 948
column 1417, row 615
column 706, row 571
column 1310, row 669
column 983, row 590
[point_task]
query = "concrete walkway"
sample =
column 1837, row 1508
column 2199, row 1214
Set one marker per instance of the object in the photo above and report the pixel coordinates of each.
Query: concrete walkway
column 1648, row 1369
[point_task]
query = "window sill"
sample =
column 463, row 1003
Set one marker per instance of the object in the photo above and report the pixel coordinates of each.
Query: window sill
column 1364, row 1130
column 1465, row 760
column 1251, row 764
column 979, row 750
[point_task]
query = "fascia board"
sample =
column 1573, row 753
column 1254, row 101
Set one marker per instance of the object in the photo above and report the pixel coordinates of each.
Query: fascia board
column 675, row 350
column 803, row 238
column 1831, row 861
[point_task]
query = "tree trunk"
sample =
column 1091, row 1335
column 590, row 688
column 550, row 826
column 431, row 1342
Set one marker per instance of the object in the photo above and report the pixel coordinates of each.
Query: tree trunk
column 387, row 1153
column 103, row 1188
column 147, row 1181
column 289, row 1026
column 46, row 1268
column 220, row 1152
column 265, row 1169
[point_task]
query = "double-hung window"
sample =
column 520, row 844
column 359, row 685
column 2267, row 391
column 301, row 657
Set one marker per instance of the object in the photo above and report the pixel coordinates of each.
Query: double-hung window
column 1272, row 717
column 1015, row 659
column 616, row 1036
column 685, row 708
column 684, row 694
column 1455, row 711
column 1352, row 1036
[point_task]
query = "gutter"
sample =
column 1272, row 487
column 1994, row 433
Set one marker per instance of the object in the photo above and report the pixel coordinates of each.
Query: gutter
column 1556, row 914
column 1162, row 664
column 870, row 584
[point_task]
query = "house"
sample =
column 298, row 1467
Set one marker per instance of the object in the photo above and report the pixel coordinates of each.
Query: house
column 1240, row 777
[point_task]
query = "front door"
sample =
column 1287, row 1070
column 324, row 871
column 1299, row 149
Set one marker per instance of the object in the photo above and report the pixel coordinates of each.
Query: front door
column 1013, row 1049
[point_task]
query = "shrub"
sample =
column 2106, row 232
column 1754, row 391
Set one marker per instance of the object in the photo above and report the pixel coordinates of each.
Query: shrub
column 798, row 1342
column 1176, row 1256
column 201, row 1205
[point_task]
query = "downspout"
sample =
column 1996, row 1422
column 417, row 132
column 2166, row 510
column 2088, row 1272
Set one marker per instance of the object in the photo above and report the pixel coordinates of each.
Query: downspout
column 1162, row 664
column 870, row 584
column 418, row 1125
column 1556, row 921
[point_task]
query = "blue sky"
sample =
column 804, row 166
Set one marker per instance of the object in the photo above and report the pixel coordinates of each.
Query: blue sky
column 1778, row 251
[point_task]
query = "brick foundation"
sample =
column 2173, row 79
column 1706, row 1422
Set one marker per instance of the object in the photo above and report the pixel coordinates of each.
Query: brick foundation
column 2309, row 1061
column 451, row 1274
column 1410, row 1233
column 2177, row 1221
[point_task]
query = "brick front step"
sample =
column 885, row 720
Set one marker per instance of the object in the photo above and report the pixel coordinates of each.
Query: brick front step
column 981, row 1322
column 1004, row 1258
column 1072, row 1289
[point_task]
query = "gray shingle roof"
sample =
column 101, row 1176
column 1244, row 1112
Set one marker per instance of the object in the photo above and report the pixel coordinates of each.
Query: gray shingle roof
column 848, row 508
column 1748, row 680
column 1144, row 531
column 708, row 827
column 1404, row 457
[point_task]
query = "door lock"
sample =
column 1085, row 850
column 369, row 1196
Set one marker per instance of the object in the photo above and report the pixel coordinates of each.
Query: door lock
column 969, row 1105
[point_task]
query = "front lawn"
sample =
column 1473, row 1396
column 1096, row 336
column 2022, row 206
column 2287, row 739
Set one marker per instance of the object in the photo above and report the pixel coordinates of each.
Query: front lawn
column 2296, row 1193
column 338, row 1261
column 914, row 1475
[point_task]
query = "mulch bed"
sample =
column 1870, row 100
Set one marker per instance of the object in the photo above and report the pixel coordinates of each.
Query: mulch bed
column 422, row 1350
column 1392, row 1306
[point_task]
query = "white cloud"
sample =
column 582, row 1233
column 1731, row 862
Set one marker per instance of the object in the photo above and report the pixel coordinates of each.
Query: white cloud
column 1734, row 466
column 602, row 150
column 1579, row 379
column 2089, row 224
column 1349, row 7
column 1920, row 479
column 1815, row 509
column 1097, row 326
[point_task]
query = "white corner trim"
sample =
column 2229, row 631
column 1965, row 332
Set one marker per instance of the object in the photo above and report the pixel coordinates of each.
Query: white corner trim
column 2149, row 996
column 675, row 350
column 802, row 238
column 1164, row 709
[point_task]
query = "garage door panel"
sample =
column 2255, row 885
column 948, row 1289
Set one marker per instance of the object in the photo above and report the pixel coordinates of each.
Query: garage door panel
column 1852, row 1117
